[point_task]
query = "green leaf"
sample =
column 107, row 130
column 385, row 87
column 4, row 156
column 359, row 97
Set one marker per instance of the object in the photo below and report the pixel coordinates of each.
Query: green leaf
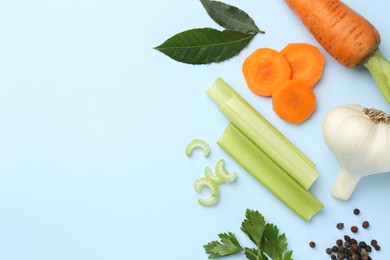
column 288, row 255
column 273, row 244
column 230, row 17
column 254, row 254
column 204, row 45
column 253, row 226
column 227, row 246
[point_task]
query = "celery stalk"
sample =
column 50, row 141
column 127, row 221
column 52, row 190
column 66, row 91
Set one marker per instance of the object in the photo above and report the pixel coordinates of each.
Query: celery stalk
column 248, row 122
column 221, row 92
column 267, row 172
column 263, row 133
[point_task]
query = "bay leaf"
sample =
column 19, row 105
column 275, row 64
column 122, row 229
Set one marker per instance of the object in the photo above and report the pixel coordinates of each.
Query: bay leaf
column 230, row 17
column 204, row 45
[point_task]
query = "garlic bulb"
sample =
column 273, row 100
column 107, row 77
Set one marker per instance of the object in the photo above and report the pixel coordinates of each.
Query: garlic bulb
column 360, row 140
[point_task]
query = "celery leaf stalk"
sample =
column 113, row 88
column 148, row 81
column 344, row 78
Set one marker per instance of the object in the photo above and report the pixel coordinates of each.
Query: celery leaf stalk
column 268, row 173
column 379, row 68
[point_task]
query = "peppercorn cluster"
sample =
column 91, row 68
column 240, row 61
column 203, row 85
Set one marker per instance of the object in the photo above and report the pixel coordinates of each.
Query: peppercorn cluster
column 350, row 248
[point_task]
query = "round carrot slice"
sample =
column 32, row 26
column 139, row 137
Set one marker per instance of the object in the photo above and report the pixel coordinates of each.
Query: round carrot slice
column 294, row 101
column 306, row 62
column 264, row 70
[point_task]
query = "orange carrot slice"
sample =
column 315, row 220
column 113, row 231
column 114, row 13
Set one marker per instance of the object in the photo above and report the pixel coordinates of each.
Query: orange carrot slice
column 306, row 62
column 294, row 101
column 264, row 70
column 342, row 32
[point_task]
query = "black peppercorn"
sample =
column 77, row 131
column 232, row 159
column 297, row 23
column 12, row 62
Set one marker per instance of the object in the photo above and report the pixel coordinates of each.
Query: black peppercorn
column 362, row 244
column 377, row 247
column 340, row 255
column 356, row 211
column 354, row 247
column 329, row 251
column 368, row 248
column 312, row 244
column 374, row 242
column 340, row 225
column 354, row 229
column 365, row 224
column 339, row 242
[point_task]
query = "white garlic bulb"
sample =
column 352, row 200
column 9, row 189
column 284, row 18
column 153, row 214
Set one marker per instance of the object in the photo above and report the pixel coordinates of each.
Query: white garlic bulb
column 360, row 140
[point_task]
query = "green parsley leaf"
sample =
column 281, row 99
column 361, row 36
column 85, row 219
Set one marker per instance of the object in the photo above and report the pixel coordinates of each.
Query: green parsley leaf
column 273, row 244
column 255, row 254
column 288, row 255
column 253, row 226
column 227, row 246
column 269, row 243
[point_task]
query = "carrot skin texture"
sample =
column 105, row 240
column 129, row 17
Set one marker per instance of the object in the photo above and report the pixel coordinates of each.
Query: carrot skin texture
column 342, row 32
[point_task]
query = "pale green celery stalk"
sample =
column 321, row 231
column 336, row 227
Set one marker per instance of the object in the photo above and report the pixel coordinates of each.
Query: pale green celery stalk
column 263, row 133
column 221, row 92
column 379, row 68
column 248, row 122
column 268, row 173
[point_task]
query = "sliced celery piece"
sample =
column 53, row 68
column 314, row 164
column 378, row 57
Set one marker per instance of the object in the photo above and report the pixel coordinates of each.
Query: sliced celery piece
column 214, row 178
column 214, row 191
column 223, row 173
column 267, row 172
column 197, row 143
column 221, row 92
column 248, row 122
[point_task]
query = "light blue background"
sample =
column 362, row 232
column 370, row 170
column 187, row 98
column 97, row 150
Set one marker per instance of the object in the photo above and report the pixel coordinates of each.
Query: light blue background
column 94, row 122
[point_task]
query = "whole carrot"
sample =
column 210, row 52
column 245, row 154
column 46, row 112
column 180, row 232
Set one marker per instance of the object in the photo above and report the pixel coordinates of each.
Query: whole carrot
column 346, row 35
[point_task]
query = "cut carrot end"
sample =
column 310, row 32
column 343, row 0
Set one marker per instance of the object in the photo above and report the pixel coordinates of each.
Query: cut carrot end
column 294, row 101
column 264, row 70
column 306, row 62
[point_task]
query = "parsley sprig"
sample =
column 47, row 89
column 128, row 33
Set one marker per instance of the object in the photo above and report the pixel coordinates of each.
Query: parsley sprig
column 269, row 244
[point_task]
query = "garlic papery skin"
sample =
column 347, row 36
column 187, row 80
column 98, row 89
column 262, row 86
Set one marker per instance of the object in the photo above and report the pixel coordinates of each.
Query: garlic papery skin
column 360, row 140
